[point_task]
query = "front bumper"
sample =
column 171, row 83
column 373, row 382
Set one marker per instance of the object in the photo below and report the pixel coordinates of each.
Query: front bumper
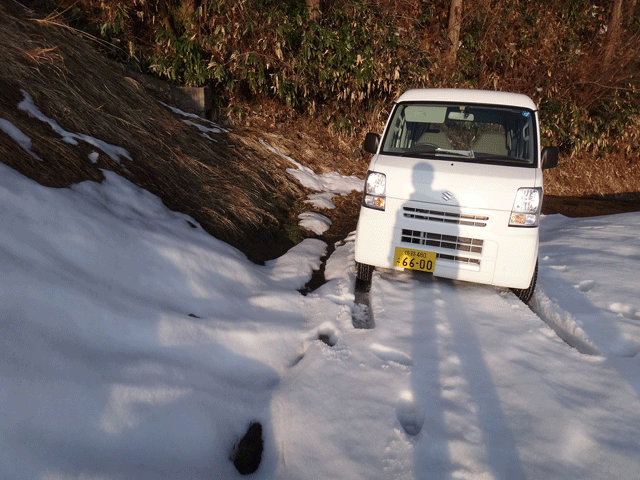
column 474, row 245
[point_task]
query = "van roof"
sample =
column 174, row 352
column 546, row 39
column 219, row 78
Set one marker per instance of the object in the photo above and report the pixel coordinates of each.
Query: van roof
column 467, row 96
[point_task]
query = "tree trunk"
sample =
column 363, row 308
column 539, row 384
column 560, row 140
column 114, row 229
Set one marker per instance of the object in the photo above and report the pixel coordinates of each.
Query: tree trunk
column 190, row 7
column 453, row 32
column 613, row 31
column 313, row 6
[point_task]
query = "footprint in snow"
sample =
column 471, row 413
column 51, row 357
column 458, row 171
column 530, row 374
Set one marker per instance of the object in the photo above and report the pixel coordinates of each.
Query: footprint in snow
column 327, row 334
column 390, row 355
column 410, row 414
column 625, row 310
column 586, row 285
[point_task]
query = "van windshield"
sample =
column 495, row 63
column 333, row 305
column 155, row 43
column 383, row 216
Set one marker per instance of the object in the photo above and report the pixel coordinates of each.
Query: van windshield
column 473, row 133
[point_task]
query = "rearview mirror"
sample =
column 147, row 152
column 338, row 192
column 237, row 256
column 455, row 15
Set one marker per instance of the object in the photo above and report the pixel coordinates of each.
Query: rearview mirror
column 371, row 143
column 461, row 116
column 549, row 157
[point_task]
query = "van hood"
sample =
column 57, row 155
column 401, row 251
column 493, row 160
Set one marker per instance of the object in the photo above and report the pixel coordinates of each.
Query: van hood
column 453, row 182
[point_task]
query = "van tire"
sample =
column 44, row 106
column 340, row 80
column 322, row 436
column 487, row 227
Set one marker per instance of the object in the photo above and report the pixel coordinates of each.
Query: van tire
column 526, row 294
column 364, row 272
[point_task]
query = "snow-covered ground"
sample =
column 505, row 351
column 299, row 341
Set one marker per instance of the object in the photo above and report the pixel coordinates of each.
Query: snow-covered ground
column 135, row 346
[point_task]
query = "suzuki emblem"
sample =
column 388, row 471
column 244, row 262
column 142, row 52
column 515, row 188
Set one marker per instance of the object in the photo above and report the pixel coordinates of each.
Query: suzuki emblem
column 446, row 196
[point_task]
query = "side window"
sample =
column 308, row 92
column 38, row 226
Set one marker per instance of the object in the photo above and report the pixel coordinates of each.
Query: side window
column 520, row 136
column 396, row 137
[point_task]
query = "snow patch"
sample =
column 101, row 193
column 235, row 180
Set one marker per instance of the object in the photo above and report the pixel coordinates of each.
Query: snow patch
column 316, row 222
column 17, row 136
column 321, row 200
column 112, row 151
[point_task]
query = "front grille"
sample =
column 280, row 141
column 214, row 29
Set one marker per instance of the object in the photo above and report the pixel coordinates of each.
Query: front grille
column 452, row 242
column 445, row 217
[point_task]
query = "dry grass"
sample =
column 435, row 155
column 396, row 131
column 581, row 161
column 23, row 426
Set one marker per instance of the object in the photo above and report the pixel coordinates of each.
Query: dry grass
column 233, row 187
column 587, row 174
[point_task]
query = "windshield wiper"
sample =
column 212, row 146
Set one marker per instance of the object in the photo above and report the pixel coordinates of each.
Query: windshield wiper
column 503, row 158
column 458, row 153
column 428, row 149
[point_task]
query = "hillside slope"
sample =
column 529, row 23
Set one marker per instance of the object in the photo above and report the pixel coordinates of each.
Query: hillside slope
column 223, row 177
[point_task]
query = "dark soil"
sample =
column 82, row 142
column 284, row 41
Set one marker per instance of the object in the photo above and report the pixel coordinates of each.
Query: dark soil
column 591, row 206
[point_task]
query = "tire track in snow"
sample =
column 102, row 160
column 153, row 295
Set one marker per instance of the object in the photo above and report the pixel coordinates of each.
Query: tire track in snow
column 563, row 323
column 585, row 327
column 362, row 316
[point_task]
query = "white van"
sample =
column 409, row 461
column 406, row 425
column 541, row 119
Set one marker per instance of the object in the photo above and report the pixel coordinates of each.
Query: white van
column 455, row 188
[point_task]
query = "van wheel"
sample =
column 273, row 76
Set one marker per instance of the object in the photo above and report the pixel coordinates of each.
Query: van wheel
column 526, row 294
column 364, row 272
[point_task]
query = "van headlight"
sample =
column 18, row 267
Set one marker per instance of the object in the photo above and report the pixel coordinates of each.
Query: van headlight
column 526, row 208
column 375, row 190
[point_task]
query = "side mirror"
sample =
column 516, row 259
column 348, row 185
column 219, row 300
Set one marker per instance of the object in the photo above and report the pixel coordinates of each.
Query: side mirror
column 371, row 143
column 549, row 157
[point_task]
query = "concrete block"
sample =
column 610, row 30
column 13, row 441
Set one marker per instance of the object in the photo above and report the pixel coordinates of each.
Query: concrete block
column 197, row 100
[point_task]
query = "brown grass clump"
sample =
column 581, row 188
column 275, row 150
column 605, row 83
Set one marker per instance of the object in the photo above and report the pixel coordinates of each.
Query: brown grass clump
column 232, row 186
column 586, row 174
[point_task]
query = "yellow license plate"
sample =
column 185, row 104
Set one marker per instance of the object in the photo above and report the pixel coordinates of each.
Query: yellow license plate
column 414, row 259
